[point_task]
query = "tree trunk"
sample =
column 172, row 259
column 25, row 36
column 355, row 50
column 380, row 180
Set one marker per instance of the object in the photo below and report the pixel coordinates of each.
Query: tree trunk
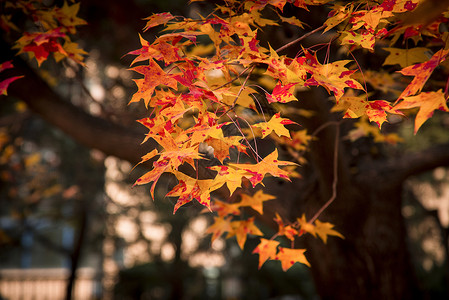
column 372, row 262
column 75, row 256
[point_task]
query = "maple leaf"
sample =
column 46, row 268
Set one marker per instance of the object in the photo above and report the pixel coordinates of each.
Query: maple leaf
column 406, row 57
column 241, row 229
column 285, row 230
column 153, row 77
column 365, row 39
column 292, row 21
column 4, row 84
column 223, row 209
column 427, row 103
column 289, row 257
column 364, row 128
column 67, row 16
column 267, row 249
column 159, row 50
column 333, row 76
column 300, row 140
column 157, row 19
column 6, row 24
column 370, row 19
column 40, row 44
column 306, row 226
column 229, row 176
column 282, row 94
column 159, row 167
column 324, row 229
column 275, row 124
column 255, row 201
column 219, row 227
column 355, row 107
column 269, row 165
column 260, row 4
column 223, row 145
column 422, row 73
column 338, row 14
column 189, row 189
column 72, row 51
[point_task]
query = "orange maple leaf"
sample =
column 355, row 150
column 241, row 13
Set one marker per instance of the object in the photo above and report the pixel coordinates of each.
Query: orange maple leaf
column 422, row 73
column 269, row 165
column 219, row 227
column 153, row 77
column 189, row 189
column 224, row 144
column 286, row 230
column 224, row 209
column 241, row 229
column 159, row 50
column 267, row 249
column 288, row 257
column 427, row 102
column 157, row 19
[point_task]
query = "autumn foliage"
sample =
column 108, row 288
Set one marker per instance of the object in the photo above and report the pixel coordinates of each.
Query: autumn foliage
column 208, row 83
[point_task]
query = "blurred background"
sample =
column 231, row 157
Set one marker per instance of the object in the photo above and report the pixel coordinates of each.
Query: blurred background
column 71, row 220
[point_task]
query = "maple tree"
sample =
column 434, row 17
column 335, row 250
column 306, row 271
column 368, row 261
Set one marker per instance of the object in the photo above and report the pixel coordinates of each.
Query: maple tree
column 215, row 81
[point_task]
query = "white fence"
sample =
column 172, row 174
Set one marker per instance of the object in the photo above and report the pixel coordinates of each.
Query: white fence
column 47, row 284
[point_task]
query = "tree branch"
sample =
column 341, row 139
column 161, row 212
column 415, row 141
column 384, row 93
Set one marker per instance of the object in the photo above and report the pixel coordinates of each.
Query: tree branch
column 396, row 170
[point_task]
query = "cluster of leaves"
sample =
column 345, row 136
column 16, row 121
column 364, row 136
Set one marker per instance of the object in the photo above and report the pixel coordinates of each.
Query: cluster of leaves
column 196, row 83
column 50, row 33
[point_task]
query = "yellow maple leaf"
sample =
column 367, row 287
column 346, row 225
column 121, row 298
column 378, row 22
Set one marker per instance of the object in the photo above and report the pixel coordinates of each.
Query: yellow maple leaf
column 365, row 39
column 255, row 201
column 288, row 257
column 275, row 124
column 269, row 165
column 306, row 226
column 325, row 229
column 406, row 57
column 229, row 176
column 338, row 15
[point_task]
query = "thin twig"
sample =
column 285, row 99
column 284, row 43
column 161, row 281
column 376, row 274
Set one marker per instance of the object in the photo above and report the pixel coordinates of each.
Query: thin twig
column 240, row 91
column 232, row 80
column 335, row 180
column 300, row 38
